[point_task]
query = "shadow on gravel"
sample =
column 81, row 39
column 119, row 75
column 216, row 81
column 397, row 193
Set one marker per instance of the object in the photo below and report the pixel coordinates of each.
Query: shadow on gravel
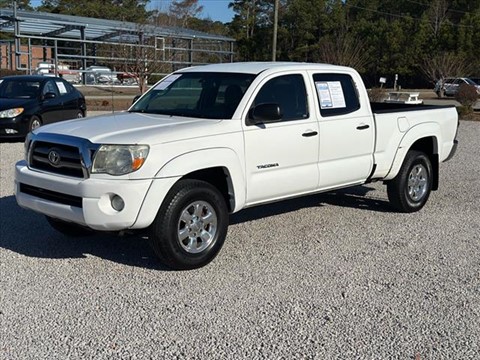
column 27, row 233
column 12, row 140
column 351, row 197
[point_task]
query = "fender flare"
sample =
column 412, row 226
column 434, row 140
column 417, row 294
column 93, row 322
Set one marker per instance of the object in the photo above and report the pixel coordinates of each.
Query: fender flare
column 418, row 132
column 226, row 158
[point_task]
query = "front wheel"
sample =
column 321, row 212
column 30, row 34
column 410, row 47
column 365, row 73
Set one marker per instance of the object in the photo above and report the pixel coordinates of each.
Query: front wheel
column 191, row 225
column 34, row 123
column 410, row 189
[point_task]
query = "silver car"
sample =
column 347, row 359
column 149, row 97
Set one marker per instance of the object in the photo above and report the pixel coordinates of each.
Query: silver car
column 451, row 85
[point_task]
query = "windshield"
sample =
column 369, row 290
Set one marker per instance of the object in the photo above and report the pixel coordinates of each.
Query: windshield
column 19, row 89
column 196, row 94
column 470, row 82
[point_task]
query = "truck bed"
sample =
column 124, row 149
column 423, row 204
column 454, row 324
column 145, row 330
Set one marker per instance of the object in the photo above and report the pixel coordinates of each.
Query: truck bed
column 384, row 108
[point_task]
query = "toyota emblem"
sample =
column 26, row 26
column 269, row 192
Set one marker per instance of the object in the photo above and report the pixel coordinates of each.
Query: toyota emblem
column 54, row 157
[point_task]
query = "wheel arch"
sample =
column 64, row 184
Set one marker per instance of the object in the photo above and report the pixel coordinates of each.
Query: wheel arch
column 424, row 137
column 220, row 167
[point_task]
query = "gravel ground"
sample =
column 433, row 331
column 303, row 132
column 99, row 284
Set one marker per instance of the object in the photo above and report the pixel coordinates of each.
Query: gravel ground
column 331, row 276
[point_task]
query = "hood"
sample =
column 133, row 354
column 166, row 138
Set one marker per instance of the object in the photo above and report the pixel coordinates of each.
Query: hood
column 6, row 104
column 133, row 128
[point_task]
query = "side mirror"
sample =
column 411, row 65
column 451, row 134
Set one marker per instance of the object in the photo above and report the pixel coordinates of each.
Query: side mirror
column 136, row 98
column 265, row 113
column 49, row 95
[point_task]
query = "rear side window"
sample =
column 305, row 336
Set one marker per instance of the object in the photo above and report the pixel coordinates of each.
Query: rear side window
column 336, row 94
column 63, row 87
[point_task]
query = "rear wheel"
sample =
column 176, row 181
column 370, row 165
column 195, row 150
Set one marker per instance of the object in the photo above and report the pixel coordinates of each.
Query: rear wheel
column 34, row 123
column 69, row 229
column 410, row 189
column 80, row 115
column 191, row 225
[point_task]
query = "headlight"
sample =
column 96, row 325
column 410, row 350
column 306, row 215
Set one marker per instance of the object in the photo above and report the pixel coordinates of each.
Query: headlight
column 119, row 159
column 11, row 113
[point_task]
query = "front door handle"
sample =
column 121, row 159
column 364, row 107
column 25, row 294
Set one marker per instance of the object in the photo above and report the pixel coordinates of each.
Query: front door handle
column 362, row 127
column 310, row 134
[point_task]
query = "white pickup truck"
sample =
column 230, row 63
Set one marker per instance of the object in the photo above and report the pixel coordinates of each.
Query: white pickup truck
column 212, row 140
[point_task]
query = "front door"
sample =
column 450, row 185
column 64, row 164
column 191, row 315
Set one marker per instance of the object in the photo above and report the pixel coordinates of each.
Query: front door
column 282, row 157
column 51, row 107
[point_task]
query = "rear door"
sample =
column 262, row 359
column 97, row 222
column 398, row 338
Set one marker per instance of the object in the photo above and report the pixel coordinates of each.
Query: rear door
column 69, row 100
column 281, row 157
column 347, row 133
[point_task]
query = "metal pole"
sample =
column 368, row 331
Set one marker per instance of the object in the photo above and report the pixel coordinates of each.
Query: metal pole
column 29, row 55
column 275, row 29
column 55, row 57
column 18, row 45
column 83, row 52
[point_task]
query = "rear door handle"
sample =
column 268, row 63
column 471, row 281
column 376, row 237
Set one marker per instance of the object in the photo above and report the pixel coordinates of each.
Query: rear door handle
column 310, row 134
column 362, row 127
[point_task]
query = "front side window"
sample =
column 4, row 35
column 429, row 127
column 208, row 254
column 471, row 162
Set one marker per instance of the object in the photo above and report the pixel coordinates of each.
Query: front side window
column 50, row 87
column 336, row 93
column 289, row 93
column 197, row 94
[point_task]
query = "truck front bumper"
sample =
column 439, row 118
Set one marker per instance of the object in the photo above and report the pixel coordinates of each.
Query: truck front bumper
column 88, row 202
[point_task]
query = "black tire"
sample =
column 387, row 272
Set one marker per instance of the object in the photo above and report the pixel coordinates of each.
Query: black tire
column 176, row 218
column 80, row 115
column 34, row 123
column 409, row 190
column 69, row 229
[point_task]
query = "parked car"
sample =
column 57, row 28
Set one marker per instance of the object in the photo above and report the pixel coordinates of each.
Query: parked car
column 128, row 78
column 29, row 101
column 63, row 71
column 476, row 80
column 450, row 86
column 100, row 75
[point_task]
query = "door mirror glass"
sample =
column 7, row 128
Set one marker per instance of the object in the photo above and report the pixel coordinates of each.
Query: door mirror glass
column 265, row 113
column 49, row 95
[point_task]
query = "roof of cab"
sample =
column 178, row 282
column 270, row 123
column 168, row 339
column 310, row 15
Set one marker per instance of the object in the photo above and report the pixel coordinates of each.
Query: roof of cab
column 29, row 77
column 258, row 67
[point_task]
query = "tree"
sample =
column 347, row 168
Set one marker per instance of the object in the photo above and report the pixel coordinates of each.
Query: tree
column 21, row 4
column 443, row 65
column 125, row 10
column 250, row 28
column 184, row 10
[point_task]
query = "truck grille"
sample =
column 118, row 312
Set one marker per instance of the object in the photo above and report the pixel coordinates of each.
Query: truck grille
column 60, row 154
column 56, row 158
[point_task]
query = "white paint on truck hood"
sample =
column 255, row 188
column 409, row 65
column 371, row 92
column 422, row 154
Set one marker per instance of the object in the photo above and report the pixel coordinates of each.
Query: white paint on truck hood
column 134, row 128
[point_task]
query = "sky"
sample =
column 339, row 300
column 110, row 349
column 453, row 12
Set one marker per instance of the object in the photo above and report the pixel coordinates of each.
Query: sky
column 216, row 10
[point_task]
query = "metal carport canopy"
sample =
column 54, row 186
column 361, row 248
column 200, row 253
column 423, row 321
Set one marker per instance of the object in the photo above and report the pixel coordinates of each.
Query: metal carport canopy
column 67, row 27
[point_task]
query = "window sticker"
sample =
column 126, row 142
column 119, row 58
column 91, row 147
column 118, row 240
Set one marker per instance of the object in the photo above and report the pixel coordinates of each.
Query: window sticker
column 330, row 95
column 167, row 82
column 61, row 87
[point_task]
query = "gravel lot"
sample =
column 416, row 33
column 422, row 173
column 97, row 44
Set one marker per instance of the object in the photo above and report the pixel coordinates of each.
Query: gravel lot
column 331, row 276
